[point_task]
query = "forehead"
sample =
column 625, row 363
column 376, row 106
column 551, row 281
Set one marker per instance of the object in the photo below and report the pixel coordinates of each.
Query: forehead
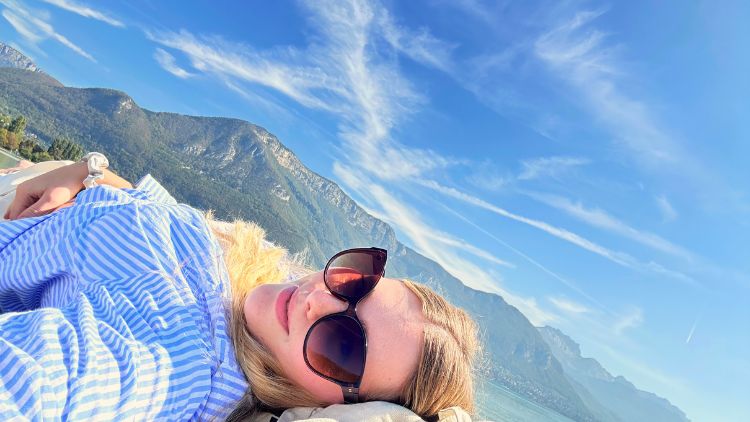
column 392, row 316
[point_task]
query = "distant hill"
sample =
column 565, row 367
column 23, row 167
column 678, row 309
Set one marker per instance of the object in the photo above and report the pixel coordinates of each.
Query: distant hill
column 610, row 398
column 240, row 170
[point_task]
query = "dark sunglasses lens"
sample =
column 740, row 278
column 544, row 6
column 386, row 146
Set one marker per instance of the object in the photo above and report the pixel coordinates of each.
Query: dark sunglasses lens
column 354, row 274
column 335, row 347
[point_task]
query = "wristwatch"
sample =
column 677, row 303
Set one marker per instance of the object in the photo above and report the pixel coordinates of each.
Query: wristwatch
column 96, row 163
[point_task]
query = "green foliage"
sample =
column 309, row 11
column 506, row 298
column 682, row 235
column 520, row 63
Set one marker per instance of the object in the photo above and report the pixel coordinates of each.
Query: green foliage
column 9, row 140
column 65, row 149
column 26, row 148
column 39, row 156
column 13, row 138
column 11, row 131
column 18, row 125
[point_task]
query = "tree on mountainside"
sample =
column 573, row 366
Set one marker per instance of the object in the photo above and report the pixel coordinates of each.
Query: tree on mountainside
column 14, row 138
column 65, row 149
column 17, row 125
column 11, row 131
column 9, row 140
column 26, row 148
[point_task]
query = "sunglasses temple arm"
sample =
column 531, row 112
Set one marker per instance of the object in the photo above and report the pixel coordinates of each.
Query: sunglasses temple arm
column 351, row 394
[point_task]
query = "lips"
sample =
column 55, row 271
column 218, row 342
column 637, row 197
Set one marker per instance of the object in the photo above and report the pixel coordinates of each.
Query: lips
column 282, row 307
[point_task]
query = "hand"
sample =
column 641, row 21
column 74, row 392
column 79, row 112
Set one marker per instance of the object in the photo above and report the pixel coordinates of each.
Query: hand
column 47, row 192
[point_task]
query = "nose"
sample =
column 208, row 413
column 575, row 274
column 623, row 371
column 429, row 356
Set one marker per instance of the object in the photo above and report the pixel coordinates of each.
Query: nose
column 321, row 302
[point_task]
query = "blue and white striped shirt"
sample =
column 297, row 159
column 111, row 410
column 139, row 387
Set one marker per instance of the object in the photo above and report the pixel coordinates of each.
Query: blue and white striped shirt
column 115, row 308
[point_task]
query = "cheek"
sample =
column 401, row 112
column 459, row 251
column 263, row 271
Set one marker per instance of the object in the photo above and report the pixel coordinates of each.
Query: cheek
column 293, row 364
column 323, row 390
column 257, row 314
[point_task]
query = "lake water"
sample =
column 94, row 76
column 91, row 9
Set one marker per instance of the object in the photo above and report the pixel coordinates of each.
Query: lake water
column 6, row 160
column 499, row 404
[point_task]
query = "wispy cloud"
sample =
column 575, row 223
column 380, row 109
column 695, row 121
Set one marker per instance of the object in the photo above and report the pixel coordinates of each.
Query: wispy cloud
column 408, row 221
column 549, row 166
column 620, row 258
column 85, row 11
column 582, row 57
column 34, row 28
column 167, row 62
column 344, row 71
column 494, row 183
column 668, row 212
column 591, row 64
column 561, row 233
column 22, row 26
column 486, row 176
column 567, row 305
column 568, row 283
column 352, row 180
column 632, row 319
column 473, row 8
column 420, row 45
column 599, row 218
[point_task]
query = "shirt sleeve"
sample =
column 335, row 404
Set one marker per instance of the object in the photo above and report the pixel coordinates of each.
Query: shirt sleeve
column 113, row 290
column 154, row 190
column 108, row 355
column 48, row 257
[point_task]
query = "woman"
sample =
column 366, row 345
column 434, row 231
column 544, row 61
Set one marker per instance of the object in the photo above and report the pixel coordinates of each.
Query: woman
column 124, row 305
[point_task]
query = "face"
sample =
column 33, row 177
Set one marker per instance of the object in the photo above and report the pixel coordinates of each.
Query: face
column 391, row 315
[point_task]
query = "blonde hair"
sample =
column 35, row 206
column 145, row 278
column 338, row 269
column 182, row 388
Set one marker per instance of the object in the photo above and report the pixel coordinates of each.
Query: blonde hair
column 445, row 373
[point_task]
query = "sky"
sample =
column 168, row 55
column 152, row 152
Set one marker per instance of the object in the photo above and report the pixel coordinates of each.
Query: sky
column 582, row 159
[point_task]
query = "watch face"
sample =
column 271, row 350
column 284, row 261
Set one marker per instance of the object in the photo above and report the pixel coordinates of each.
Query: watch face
column 98, row 162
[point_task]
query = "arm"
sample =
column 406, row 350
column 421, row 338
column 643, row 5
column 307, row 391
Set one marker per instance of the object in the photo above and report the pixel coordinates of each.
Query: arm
column 53, row 190
column 114, row 289
column 105, row 356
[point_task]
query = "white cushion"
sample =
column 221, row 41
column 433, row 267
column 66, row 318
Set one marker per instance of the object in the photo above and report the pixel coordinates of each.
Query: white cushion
column 374, row 411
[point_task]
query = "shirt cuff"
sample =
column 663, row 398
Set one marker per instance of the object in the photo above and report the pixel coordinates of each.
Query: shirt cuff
column 154, row 190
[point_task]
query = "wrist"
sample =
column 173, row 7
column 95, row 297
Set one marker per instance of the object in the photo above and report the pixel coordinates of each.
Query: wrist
column 79, row 171
column 96, row 164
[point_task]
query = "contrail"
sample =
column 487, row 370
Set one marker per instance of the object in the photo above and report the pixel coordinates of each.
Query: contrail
column 692, row 330
column 569, row 284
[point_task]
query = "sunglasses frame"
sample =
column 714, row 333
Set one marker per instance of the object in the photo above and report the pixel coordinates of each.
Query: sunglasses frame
column 348, row 389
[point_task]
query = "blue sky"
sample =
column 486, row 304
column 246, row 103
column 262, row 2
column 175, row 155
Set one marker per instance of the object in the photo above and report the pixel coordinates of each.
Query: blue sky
column 585, row 160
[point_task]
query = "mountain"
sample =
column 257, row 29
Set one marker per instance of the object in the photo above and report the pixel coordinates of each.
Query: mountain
column 10, row 57
column 609, row 398
column 240, row 170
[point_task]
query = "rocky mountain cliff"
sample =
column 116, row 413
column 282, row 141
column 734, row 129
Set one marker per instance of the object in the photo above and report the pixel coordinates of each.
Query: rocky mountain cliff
column 10, row 57
column 608, row 397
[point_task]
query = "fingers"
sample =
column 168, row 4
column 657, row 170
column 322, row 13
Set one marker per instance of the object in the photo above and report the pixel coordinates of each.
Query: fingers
column 19, row 204
column 41, row 207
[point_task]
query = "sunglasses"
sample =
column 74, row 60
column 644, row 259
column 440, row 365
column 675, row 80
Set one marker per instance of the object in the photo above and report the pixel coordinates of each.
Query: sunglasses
column 336, row 345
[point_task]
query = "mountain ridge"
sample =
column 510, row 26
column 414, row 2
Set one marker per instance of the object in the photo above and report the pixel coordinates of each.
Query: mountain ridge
column 616, row 394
